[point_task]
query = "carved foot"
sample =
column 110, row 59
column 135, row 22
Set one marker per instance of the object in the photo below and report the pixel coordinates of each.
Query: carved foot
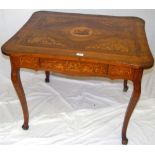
column 47, row 79
column 25, row 127
column 124, row 141
column 125, row 89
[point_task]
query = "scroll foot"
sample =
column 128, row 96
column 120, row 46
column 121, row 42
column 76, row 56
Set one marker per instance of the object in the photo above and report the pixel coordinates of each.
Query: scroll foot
column 124, row 141
column 47, row 79
column 25, row 127
column 125, row 89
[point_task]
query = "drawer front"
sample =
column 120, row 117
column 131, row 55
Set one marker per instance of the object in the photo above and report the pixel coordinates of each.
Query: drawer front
column 74, row 67
column 29, row 62
column 120, row 72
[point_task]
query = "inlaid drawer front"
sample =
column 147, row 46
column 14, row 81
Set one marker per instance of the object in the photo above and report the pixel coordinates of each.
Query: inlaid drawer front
column 29, row 62
column 74, row 67
column 120, row 72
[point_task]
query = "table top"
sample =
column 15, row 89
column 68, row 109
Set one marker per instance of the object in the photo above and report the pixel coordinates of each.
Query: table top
column 108, row 39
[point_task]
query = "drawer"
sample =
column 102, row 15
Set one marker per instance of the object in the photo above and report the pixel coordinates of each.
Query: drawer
column 74, row 67
column 29, row 62
column 120, row 72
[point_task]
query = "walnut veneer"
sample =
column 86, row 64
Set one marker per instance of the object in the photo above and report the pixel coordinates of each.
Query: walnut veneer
column 81, row 45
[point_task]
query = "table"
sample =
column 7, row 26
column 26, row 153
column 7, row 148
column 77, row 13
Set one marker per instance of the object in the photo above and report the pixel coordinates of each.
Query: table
column 81, row 45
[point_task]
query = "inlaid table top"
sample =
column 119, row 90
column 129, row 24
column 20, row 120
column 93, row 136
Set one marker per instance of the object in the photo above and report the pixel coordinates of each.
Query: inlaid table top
column 81, row 45
column 116, row 40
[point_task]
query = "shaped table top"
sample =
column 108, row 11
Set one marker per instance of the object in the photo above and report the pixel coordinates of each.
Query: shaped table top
column 120, row 40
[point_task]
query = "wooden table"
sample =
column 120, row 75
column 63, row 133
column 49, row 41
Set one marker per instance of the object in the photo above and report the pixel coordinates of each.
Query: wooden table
column 81, row 45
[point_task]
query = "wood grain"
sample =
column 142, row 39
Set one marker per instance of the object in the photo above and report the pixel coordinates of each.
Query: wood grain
column 120, row 40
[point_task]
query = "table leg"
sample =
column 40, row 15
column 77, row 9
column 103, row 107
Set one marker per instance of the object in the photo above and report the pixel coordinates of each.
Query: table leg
column 125, row 89
column 15, row 77
column 47, row 79
column 133, row 101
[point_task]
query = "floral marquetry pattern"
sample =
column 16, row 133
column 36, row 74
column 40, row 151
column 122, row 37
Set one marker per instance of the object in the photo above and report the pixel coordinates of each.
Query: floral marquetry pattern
column 120, row 72
column 74, row 67
column 30, row 62
column 43, row 41
column 114, row 44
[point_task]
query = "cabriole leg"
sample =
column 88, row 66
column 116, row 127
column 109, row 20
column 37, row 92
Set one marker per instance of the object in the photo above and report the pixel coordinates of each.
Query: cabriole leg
column 133, row 101
column 125, row 89
column 15, row 77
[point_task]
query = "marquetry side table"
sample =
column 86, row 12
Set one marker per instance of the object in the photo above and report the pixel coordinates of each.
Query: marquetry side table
column 81, row 45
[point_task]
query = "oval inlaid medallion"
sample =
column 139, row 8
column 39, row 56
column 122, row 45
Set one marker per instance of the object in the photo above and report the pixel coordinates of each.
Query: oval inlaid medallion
column 81, row 31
